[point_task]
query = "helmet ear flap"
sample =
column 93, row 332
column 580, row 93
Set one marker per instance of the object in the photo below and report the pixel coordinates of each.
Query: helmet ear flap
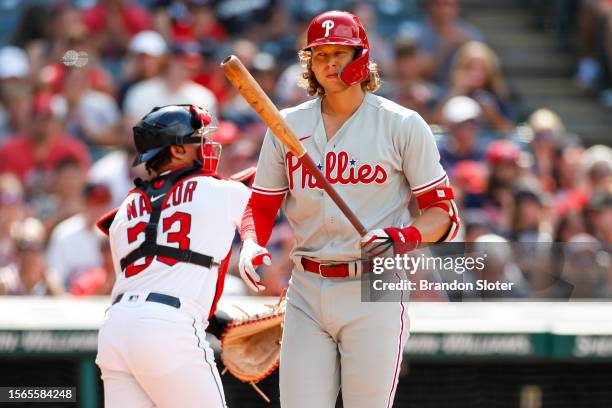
column 358, row 70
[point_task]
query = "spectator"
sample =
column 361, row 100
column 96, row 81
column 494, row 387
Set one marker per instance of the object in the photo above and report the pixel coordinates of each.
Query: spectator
column 380, row 48
column 147, row 51
column 14, row 90
column 111, row 24
column 91, row 116
column 15, row 101
column 14, row 64
column 469, row 181
column 548, row 137
column 586, row 266
column 281, row 36
column 30, row 156
column 440, row 36
column 173, row 86
column 29, row 275
column 595, row 47
column 74, row 246
column 407, row 87
column 460, row 115
column 62, row 197
column 531, row 220
column 199, row 22
column 570, row 225
column 476, row 73
column 570, row 193
column 598, row 215
column 502, row 158
column 12, row 209
column 499, row 267
column 97, row 281
column 596, row 163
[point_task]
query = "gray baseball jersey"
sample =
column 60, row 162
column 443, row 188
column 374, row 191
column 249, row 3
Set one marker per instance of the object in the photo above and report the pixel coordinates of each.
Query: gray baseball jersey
column 374, row 161
column 381, row 153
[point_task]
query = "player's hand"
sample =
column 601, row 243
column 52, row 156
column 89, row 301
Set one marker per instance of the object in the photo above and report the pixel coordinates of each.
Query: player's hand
column 378, row 241
column 251, row 256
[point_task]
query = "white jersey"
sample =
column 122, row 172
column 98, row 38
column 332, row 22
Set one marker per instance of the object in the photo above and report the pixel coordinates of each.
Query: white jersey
column 199, row 213
column 379, row 155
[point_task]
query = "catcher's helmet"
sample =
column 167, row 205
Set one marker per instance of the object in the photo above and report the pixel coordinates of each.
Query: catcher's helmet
column 176, row 125
column 343, row 28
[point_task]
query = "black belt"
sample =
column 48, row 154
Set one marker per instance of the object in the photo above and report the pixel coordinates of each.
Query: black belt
column 157, row 298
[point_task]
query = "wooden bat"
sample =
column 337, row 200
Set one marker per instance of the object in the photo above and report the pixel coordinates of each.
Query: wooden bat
column 240, row 77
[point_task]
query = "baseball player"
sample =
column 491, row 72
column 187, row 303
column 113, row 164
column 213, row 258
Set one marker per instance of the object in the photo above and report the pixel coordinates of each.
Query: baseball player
column 170, row 241
column 376, row 154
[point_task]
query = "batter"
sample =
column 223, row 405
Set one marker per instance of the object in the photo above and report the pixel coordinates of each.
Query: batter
column 376, row 154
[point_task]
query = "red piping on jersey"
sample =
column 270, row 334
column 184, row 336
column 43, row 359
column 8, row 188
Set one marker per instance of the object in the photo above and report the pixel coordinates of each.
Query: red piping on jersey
column 430, row 184
column 399, row 351
column 221, row 272
column 259, row 216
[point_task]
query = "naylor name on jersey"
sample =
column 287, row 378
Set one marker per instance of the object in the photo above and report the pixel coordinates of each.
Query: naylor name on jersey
column 181, row 193
column 339, row 169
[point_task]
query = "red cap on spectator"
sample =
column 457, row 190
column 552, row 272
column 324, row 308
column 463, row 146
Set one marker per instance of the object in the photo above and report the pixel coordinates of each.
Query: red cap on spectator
column 502, row 150
column 41, row 105
column 470, row 175
column 97, row 194
column 227, row 133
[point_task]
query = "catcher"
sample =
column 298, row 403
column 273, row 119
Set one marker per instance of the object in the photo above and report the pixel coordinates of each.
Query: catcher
column 170, row 240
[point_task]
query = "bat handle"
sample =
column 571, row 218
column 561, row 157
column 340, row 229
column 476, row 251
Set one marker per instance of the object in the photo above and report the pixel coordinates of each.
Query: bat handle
column 324, row 183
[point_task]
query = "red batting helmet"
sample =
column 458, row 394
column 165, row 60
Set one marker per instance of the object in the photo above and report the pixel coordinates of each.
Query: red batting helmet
column 343, row 28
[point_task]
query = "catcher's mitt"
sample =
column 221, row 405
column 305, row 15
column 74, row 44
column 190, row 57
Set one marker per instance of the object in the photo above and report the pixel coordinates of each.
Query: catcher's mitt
column 250, row 347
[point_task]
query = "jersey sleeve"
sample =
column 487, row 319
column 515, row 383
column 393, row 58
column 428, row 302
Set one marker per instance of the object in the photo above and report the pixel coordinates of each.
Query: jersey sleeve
column 271, row 176
column 238, row 198
column 420, row 156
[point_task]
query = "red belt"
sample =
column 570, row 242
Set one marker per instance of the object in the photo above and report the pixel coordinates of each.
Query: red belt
column 327, row 270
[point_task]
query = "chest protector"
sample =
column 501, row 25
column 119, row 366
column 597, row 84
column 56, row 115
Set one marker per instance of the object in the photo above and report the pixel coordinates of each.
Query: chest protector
column 159, row 187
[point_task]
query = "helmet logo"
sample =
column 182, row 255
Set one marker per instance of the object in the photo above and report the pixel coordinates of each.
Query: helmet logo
column 328, row 25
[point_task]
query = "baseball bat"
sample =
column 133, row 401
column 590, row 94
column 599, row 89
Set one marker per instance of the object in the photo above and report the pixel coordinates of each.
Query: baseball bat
column 242, row 80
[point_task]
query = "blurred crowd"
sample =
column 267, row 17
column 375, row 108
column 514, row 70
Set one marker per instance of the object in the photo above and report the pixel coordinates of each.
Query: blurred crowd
column 584, row 28
column 75, row 76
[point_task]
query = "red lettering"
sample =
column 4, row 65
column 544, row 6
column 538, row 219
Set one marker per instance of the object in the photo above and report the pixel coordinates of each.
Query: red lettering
column 143, row 206
column 337, row 170
column 131, row 210
column 177, row 194
column 330, row 166
column 364, row 174
column 189, row 189
column 292, row 167
column 381, row 174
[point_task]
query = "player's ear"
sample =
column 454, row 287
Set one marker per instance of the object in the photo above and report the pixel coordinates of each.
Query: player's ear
column 178, row 151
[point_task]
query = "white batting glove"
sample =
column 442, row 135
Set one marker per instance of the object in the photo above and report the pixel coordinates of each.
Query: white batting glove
column 251, row 256
column 376, row 242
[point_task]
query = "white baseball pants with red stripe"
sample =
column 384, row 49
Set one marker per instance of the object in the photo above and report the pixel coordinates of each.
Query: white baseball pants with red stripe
column 154, row 355
column 333, row 341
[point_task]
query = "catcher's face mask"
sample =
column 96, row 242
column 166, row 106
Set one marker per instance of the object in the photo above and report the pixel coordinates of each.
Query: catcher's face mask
column 209, row 152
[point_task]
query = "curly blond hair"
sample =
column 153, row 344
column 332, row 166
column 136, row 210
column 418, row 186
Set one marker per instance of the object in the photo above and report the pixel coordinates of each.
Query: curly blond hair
column 309, row 82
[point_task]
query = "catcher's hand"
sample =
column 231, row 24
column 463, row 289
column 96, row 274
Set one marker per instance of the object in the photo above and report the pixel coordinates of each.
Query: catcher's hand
column 250, row 347
column 251, row 256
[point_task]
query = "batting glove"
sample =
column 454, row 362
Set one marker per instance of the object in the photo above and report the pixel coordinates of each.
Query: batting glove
column 378, row 241
column 251, row 256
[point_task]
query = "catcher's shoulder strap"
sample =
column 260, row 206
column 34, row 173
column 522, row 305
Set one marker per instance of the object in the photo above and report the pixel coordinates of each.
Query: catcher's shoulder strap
column 155, row 191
